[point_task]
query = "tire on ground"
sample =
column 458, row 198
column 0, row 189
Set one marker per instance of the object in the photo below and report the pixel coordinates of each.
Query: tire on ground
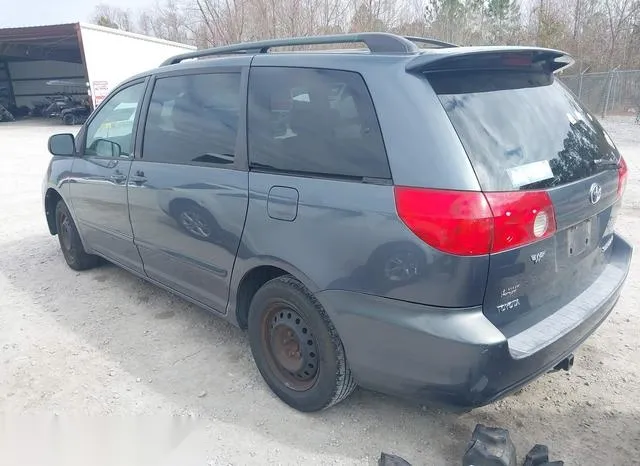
column 334, row 381
column 70, row 243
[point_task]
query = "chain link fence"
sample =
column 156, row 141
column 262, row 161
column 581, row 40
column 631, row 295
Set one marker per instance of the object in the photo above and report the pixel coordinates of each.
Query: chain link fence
column 610, row 92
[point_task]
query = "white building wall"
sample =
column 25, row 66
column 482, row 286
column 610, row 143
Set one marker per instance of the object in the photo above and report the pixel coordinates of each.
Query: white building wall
column 111, row 56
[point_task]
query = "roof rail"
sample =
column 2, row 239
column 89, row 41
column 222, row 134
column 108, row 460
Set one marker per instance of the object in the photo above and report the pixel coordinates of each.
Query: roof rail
column 425, row 40
column 380, row 42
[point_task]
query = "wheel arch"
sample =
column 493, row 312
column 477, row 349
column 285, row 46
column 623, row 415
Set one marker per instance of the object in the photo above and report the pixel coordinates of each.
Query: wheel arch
column 51, row 199
column 253, row 277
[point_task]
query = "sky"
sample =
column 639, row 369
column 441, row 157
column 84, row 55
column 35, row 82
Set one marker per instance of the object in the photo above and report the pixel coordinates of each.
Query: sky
column 16, row 13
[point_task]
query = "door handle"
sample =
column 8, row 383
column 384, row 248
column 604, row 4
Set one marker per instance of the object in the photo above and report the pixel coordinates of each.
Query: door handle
column 138, row 178
column 118, row 178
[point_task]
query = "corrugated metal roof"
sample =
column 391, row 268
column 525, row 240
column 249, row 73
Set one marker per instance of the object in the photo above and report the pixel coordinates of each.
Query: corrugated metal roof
column 37, row 33
column 53, row 42
column 56, row 41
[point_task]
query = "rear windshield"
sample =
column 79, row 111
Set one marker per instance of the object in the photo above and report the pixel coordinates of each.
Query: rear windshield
column 523, row 130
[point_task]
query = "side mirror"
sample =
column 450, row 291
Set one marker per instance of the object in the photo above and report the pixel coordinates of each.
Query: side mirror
column 106, row 148
column 63, row 145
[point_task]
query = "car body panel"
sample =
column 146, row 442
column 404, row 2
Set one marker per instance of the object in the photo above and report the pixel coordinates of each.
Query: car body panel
column 99, row 191
column 188, row 219
column 545, row 275
column 398, row 347
column 196, row 261
column 358, row 243
column 57, row 179
column 99, row 195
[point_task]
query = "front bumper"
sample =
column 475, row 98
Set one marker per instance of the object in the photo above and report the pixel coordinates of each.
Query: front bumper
column 457, row 356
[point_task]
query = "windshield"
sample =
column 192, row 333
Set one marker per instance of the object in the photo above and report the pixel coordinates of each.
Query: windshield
column 523, row 130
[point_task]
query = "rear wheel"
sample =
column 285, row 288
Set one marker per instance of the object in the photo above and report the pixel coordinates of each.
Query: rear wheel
column 296, row 347
column 70, row 244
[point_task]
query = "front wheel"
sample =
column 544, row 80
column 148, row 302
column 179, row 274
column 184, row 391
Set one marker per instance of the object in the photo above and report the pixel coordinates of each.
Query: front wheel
column 70, row 244
column 296, row 347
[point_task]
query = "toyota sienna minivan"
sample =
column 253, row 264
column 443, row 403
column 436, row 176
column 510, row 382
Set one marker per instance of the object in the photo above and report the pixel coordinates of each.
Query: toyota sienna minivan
column 416, row 218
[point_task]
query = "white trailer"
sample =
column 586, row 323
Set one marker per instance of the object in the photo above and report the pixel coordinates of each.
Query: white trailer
column 76, row 59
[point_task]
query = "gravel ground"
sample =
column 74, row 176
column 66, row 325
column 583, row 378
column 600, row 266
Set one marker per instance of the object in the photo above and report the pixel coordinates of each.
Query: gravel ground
column 103, row 342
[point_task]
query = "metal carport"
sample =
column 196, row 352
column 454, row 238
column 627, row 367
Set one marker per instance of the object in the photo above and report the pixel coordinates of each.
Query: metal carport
column 32, row 56
column 83, row 58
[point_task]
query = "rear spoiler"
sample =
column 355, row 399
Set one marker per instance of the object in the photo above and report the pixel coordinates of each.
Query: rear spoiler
column 490, row 58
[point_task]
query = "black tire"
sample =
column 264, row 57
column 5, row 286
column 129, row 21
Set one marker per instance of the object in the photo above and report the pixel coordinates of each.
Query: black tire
column 69, row 119
column 70, row 244
column 285, row 304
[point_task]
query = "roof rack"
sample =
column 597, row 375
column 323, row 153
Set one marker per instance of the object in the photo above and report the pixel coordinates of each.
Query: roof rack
column 425, row 40
column 380, row 42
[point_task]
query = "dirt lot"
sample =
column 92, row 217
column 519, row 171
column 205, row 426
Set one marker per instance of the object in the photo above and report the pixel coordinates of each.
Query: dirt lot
column 104, row 342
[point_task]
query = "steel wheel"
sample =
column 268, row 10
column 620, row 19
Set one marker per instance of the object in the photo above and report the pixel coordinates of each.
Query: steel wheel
column 66, row 230
column 296, row 347
column 290, row 347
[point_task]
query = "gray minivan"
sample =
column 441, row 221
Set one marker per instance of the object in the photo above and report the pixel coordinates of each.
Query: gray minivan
column 434, row 222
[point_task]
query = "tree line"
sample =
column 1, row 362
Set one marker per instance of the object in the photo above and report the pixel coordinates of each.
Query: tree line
column 599, row 34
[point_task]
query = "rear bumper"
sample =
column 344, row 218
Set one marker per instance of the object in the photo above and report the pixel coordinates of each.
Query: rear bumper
column 457, row 356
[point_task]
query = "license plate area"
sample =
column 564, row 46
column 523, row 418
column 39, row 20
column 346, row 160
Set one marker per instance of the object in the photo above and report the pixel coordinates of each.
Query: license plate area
column 579, row 238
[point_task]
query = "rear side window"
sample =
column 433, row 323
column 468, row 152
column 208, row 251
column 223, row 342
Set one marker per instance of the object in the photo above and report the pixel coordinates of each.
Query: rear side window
column 523, row 130
column 314, row 121
column 193, row 119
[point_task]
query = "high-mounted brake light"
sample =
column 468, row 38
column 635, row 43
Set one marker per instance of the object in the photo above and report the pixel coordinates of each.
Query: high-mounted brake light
column 469, row 223
column 622, row 176
column 517, row 59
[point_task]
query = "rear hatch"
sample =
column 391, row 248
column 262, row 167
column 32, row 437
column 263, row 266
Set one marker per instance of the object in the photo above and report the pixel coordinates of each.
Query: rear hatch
column 552, row 178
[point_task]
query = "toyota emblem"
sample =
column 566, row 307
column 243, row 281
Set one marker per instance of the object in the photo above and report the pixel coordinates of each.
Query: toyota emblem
column 595, row 193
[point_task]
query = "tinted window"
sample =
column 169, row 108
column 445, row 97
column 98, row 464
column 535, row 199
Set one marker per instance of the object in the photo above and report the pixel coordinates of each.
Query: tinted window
column 110, row 133
column 314, row 121
column 523, row 130
column 193, row 119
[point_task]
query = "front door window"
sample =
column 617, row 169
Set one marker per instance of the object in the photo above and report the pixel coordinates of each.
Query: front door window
column 110, row 133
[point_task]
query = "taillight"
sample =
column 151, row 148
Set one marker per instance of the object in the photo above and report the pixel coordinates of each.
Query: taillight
column 520, row 218
column 622, row 176
column 457, row 222
column 470, row 223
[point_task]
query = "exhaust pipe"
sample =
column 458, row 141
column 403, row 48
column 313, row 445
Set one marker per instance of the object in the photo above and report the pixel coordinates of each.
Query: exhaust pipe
column 565, row 365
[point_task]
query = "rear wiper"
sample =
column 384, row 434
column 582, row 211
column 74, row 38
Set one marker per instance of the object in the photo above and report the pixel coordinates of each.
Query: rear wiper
column 606, row 163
